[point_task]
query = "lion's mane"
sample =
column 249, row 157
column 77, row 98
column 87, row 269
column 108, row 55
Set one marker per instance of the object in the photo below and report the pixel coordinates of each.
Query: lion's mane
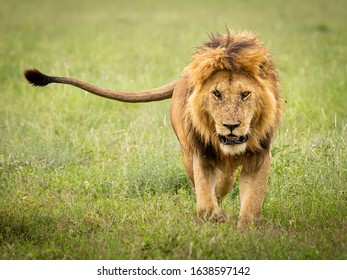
column 238, row 53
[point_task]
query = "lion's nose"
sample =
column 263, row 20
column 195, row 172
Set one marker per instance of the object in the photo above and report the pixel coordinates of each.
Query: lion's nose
column 231, row 126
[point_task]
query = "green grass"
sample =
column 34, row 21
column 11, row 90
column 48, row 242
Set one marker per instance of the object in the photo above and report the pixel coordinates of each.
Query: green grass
column 83, row 177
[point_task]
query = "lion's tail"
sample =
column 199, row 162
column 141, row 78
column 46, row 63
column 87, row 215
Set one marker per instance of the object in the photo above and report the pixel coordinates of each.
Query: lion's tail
column 36, row 78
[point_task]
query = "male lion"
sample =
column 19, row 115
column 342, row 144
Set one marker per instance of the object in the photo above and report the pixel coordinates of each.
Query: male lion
column 225, row 109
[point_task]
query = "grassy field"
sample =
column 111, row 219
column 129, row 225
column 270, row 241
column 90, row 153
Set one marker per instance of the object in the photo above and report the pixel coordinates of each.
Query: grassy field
column 83, row 177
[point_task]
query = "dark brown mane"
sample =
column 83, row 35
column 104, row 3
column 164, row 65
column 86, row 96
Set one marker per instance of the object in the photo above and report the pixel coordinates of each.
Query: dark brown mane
column 238, row 52
column 232, row 43
column 237, row 46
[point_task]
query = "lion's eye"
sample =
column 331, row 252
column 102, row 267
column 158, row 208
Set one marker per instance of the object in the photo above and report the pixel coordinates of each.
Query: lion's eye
column 217, row 94
column 245, row 94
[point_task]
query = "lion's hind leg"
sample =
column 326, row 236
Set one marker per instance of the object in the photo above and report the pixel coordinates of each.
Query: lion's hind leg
column 187, row 158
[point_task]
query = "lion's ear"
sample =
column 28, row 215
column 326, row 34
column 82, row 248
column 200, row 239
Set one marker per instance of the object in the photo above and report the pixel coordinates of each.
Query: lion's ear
column 263, row 68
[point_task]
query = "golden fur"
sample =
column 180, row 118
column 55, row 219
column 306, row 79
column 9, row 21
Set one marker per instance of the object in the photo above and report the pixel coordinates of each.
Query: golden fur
column 230, row 80
column 225, row 109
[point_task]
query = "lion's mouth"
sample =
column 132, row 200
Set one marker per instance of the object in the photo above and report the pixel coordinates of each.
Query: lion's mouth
column 232, row 139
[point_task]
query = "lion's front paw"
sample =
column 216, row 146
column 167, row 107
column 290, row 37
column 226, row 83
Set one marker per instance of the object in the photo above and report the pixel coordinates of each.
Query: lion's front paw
column 213, row 215
column 245, row 223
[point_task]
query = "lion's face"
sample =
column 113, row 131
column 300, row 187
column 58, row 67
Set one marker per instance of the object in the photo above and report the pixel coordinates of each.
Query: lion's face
column 229, row 103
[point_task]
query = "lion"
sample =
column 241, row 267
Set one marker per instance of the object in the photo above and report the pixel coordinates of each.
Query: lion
column 225, row 109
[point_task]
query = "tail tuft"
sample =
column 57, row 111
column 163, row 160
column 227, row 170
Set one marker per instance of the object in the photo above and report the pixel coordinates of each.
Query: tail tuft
column 36, row 78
